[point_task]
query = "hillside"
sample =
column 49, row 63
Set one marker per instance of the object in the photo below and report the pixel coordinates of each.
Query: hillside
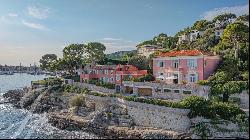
column 120, row 54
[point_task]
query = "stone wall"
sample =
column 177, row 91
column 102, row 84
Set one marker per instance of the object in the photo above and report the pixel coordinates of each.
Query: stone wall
column 158, row 89
column 146, row 114
column 219, row 129
column 244, row 98
column 94, row 87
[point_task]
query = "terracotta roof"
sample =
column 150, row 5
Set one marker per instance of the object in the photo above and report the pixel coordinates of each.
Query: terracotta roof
column 183, row 53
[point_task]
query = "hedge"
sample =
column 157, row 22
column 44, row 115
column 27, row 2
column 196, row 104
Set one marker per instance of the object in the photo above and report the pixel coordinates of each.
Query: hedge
column 203, row 82
column 102, row 84
column 48, row 82
column 198, row 105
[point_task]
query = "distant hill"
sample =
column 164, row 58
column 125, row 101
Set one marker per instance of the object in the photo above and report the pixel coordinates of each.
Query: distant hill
column 118, row 55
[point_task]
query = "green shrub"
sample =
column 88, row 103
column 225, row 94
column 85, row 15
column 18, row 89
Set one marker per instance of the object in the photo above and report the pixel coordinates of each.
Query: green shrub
column 243, row 122
column 72, row 89
column 78, row 100
column 197, row 106
column 51, row 81
column 136, row 80
column 108, row 85
column 76, row 78
column 202, row 131
column 149, row 77
column 234, row 100
column 93, row 81
column 223, row 110
column 244, row 85
column 203, row 82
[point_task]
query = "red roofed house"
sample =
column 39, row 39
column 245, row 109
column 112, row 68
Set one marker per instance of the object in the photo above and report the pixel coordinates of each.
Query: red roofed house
column 111, row 73
column 185, row 65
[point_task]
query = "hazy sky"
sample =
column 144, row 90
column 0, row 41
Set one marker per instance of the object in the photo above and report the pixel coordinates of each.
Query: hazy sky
column 31, row 28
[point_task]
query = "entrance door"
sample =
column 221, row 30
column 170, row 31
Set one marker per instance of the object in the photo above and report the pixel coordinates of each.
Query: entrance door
column 177, row 79
column 117, row 89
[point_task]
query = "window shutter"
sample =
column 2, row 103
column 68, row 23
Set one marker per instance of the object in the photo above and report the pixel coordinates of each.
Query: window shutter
column 195, row 63
column 196, row 77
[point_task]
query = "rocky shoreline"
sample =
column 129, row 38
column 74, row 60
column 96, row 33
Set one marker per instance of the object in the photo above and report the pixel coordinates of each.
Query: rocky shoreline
column 112, row 122
column 108, row 123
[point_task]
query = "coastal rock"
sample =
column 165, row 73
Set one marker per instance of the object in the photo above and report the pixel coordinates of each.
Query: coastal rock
column 14, row 96
column 28, row 99
column 47, row 103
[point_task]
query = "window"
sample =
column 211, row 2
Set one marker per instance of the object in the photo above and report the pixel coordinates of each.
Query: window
column 176, row 91
column 192, row 63
column 192, row 78
column 118, row 77
column 111, row 79
column 187, row 92
column 167, row 90
column 176, row 63
column 161, row 64
column 130, row 76
column 106, row 79
column 168, row 74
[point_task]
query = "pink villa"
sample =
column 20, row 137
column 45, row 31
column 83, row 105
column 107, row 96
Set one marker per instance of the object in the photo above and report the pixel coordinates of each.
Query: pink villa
column 185, row 65
column 111, row 73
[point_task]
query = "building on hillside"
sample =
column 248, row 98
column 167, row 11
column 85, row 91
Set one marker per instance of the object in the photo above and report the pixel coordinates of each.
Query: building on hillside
column 222, row 24
column 246, row 23
column 114, row 74
column 219, row 32
column 194, row 34
column 183, row 38
column 146, row 50
column 185, row 65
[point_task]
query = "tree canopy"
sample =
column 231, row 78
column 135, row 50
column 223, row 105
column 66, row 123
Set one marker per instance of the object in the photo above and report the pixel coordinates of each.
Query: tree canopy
column 73, row 57
column 141, row 62
column 93, row 52
column 47, row 60
column 224, row 17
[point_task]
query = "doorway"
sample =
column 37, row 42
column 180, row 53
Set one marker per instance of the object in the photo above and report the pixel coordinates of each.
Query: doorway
column 176, row 80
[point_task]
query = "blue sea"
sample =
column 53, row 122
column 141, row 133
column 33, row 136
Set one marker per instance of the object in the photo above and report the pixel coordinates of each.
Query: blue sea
column 22, row 124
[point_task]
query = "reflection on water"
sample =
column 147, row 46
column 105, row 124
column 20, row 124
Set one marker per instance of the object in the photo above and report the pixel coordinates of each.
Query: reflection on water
column 18, row 80
column 20, row 123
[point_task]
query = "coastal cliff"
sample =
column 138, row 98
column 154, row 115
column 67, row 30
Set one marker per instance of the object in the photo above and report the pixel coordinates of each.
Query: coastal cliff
column 111, row 117
column 112, row 122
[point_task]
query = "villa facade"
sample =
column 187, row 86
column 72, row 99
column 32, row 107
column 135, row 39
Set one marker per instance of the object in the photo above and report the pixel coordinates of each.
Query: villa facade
column 114, row 74
column 146, row 50
column 185, row 66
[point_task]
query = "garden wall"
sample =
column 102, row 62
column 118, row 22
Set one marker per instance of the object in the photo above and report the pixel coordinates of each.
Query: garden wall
column 244, row 98
column 146, row 115
column 94, row 87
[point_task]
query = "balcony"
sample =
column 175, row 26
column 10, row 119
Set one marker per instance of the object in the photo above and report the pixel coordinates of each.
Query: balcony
column 192, row 69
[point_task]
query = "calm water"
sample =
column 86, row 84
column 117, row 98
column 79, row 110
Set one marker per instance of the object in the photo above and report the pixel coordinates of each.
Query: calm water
column 19, row 123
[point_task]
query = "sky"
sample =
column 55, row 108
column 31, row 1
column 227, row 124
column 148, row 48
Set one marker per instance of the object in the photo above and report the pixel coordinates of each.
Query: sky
column 32, row 28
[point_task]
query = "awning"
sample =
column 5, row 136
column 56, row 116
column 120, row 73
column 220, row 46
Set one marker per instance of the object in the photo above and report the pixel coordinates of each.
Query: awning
column 171, row 77
column 160, row 77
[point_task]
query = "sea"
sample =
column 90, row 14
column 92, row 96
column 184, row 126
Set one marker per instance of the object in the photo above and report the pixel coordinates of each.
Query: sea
column 22, row 124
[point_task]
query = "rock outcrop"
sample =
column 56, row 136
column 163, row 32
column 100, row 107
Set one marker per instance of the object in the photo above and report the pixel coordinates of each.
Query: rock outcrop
column 14, row 96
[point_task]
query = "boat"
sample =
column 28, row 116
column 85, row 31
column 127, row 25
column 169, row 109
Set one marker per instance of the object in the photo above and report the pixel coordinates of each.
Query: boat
column 1, row 72
column 9, row 72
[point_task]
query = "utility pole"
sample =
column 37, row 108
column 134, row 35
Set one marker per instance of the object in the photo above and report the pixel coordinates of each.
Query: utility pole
column 20, row 69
